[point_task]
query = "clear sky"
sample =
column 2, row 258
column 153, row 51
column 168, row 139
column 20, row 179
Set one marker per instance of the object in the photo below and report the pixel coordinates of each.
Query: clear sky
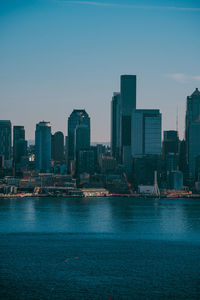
column 56, row 55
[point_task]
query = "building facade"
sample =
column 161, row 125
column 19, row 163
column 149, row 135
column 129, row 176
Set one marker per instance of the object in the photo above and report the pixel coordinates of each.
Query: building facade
column 192, row 130
column 43, row 147
column 146, row 132
column 85, row 162
column 77, row 117
column 170, row 142
column 127, row 106
column 193, row 146
column 57, row 146
column 19, row 143
column 115, row 125
column 5, row 139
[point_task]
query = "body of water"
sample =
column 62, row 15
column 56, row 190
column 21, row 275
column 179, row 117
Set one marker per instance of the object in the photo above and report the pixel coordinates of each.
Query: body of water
column 99, row 248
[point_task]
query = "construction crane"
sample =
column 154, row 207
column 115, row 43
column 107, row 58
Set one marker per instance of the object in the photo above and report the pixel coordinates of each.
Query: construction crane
column 156, row 191
column 128, row 184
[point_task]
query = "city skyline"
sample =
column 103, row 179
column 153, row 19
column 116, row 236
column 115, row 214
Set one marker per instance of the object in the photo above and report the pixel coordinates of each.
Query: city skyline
column 73, row 55
column 99, row 149
column 181, row 132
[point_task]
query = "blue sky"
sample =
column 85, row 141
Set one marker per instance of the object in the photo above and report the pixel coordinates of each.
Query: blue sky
column 58, row 55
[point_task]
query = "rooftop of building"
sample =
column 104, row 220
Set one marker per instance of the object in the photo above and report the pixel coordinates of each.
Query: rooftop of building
column 80, row 112
column 5, row 122
column 44, row 123
column 195, row 94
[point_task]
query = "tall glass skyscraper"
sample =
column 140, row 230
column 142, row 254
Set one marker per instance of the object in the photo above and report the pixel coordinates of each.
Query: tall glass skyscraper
column 146, row 132
column 115, row 125
column 77, row 117
column 57, row 146
column 192, row 127
column 5, row 139
column 192, row 110
column 43, row 147
column 127, row 106
column 81, row 138
column 19, row 143
column 194, row 146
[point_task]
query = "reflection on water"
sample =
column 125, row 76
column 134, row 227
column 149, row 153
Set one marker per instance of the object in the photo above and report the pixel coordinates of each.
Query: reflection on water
column 99, row 248
column 136, row 218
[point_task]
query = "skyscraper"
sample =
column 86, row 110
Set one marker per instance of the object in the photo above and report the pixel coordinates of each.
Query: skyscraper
column 127, row 106
column 82, row 145
column 170, row 150
column 146, row 132
column 115, row 125
column 193, row 146
column 81, row 138
column 192, row 110
column 77, row 117
column 57, row 146
column 85, row 161
column 192, row 123
column 19, row 143
column 43, row 146
column 5, row 139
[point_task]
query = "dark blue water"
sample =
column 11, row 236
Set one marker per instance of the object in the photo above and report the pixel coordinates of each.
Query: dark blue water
column 103, row 248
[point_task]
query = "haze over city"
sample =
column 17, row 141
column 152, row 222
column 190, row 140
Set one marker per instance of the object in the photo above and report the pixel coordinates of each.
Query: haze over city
column 61, row 55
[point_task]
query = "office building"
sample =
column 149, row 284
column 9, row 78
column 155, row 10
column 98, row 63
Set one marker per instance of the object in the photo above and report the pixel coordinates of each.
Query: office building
column 82, row 142
column 146, row 132
column 127, row 106
column 192, row 127
column 85, row 162
column 115, row 125
column 43, row 147
column 170, row 142
column 144, row 169
column 19, row 143
column 192, row 110
column 77, row 117
column 57, row 147
column 183, row 166
column 81, row 138
column 1, row 162
column 108, row 163
column 171, row 161
column 5, row 139
column 128, row 94
column 193, row 146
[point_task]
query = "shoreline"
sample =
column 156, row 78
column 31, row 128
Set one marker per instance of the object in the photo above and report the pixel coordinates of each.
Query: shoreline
column 135, row 196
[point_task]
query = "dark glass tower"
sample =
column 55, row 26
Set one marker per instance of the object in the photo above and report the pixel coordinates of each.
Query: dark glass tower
column 192, row 125
column 81, row 138
column 77, row 117
column 43, row 147
column 5, row 139
column 19, row 143
column 115, row 125
column 127, row 106
column 171, row 142
column 57, row 146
